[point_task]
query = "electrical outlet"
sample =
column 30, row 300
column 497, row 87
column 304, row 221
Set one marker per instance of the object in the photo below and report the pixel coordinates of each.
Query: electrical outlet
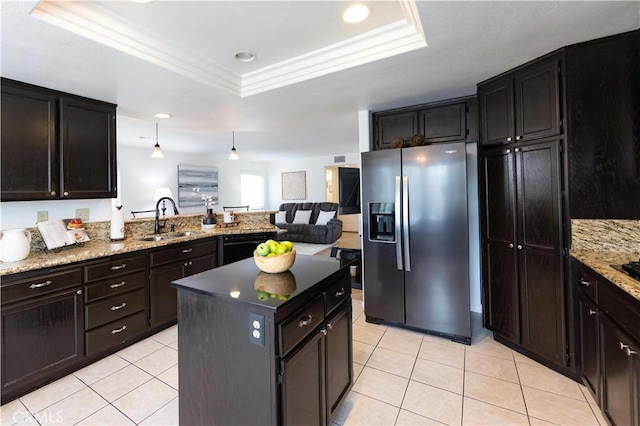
column 83, row 214
column 42, row 216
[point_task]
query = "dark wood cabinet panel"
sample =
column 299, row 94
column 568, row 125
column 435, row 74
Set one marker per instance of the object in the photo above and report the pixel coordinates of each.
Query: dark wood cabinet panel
column 444, row 124
column 339, row 358
column 303, row 388
column 87, row 148
column 496, row 112
column 40, row 337
column 56, row 145
column 391, row 126
column 162, row 297
column 603, row 112
column 537, row 100
column 590, row 345
column 29, row 129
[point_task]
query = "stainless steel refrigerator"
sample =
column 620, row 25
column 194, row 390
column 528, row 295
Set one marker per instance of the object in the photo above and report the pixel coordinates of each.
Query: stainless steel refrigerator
column 415, row 242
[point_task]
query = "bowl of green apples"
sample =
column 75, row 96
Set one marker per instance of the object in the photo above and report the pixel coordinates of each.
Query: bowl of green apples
column 273, row 257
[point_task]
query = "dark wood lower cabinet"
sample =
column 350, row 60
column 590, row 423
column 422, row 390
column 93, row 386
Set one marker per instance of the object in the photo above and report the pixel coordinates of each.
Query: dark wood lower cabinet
column 590, row 348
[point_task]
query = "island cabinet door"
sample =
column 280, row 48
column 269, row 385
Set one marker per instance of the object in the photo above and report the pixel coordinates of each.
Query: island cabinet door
column 339, row 358
column 164, row 298
column 303, row 383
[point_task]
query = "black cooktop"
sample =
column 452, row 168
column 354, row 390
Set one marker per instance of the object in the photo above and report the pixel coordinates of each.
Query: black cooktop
column 631, row 268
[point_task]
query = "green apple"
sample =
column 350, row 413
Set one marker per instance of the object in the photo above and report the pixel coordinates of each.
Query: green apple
column 281, row 249
column 263, row 249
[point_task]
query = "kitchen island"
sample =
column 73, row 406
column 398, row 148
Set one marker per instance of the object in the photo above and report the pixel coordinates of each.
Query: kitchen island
column 259, row 348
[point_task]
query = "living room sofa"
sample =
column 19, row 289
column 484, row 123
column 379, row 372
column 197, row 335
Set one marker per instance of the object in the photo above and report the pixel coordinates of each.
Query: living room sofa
column 309, row 232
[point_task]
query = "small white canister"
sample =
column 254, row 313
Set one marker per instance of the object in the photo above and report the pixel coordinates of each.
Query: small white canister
column 117, row 224
column 15, row 244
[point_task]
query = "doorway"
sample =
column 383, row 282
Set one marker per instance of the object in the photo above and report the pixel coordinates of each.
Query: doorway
column 350, row 222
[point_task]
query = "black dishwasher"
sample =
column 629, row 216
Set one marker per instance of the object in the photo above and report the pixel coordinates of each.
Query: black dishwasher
column 234, row 247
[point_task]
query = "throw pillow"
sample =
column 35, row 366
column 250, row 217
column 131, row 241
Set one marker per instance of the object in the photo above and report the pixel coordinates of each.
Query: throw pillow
column 324, row 217
column 281, row 217
column 302, row 216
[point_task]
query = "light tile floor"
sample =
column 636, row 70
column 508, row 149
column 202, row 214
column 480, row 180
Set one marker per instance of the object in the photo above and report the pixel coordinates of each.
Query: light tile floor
column 401, row 377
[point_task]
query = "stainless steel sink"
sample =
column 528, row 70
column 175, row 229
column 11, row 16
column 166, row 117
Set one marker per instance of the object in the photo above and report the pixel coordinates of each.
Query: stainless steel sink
column 163, row 237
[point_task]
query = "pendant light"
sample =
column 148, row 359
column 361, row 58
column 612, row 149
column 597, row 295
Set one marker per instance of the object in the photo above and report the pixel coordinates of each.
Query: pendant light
column 157, row 153
column 234, row 153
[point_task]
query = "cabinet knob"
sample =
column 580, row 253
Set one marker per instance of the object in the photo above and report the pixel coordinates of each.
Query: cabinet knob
column 517, row 150
column 629, row 352
column 592, row 312
column 66, row 194
column 510, row 245
column 53, row 193
column 340, row 293
column 585, row 282
column 508, row 151
column 79, row 292
column 519, row 247
column 329, row 325
column 518, row 138
column 190, row 263
column 186, row 264
column 305, row 321
column 323, row 331
column 509, row 139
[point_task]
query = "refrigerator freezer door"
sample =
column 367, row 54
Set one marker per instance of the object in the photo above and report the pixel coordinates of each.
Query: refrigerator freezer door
column 383, row 281
column 437, row 286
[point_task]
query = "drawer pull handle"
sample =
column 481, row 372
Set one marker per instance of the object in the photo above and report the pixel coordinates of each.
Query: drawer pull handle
column 117, row 307
column 120, row 284
column 592, row 312
column 44, row 284
column 305, row 321
column 119, row 330
column 185, row 251
column 323, row 331
column 329, row 325
column 340, row 293
column 585, row 282
column 118, row 267
column 629, row 352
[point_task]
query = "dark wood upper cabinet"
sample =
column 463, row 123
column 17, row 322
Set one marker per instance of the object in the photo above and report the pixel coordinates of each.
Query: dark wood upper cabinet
column 522, row 105
column 603, row 112
column 390, row 126
column 87, row 148
column 444, row 121
column 55, row 145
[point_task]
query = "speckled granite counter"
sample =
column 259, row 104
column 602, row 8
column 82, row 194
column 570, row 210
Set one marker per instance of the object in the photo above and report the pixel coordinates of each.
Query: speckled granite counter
column 601, row 261
column 101, row 246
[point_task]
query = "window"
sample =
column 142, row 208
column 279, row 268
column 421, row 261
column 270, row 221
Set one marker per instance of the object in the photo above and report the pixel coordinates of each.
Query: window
column 252, row 190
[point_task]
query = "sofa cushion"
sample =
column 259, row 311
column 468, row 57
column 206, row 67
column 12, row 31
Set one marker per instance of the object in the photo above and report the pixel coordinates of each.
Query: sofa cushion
column 302, row 217
column 281, row 217
column 324, row 217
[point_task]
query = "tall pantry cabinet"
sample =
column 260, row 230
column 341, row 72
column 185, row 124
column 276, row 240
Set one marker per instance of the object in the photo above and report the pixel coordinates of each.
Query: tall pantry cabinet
column 559, row 140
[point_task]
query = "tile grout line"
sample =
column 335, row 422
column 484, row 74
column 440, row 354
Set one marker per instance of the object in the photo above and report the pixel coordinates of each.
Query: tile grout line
column 406, row 389
column 524, row 400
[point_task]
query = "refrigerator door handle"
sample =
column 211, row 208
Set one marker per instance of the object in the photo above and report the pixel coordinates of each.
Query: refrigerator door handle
column 405, row 220
column 397, row 218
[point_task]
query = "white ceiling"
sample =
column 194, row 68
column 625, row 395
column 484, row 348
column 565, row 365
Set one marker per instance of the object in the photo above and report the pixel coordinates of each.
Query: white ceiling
column 312, row 74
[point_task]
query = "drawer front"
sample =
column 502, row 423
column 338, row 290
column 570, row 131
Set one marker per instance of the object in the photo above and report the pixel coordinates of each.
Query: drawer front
column 112, row 286
column 621, row 310
column 43, row 284
column 337, row 293
column 301, row 324
column 586, row 282
column 115, row 333
column 115, row 267
column 182, row 251
column 113, row 308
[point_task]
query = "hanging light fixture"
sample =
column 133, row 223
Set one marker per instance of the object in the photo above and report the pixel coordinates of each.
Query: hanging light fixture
column 234, row 153
column 157, row 153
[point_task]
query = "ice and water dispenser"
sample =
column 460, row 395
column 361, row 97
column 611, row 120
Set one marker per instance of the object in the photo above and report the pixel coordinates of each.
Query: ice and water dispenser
column 382, row 222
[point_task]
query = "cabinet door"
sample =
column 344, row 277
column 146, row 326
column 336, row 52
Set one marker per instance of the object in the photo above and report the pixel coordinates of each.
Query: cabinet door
column 537, row 102
column 501, row 299
column 444, row 123
column 339, row 365
column 303, row 384
column 496, row 111
column 589, row 345
column 618, row 403
column 201, row 264
column 163, row 297
column 390, row 126
column 39, row 337
column 88, row 149
column 29, row 168
column 540, row 250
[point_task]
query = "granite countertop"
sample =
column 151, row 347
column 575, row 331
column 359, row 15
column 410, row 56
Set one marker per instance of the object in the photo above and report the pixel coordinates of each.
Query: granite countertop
column 243, row 282
column 95, row 249
column 601, row 261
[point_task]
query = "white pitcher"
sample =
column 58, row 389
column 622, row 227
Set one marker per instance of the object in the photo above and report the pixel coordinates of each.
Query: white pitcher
column 15, row 244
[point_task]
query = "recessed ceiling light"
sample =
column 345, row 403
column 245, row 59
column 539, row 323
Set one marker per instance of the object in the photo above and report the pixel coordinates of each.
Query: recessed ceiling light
column 245, row 56
column 163, row 115
column 356, row 13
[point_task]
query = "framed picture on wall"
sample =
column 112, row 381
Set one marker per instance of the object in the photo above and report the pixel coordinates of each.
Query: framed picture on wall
column 191, row 177
column 294, row 185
